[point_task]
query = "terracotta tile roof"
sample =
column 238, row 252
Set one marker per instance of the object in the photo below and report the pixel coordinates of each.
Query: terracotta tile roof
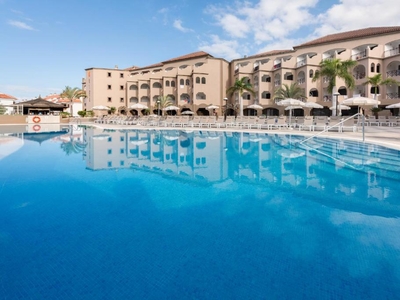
column 349, row 35
column 56, row 98
column 188, row 56
column 5, row 96
column 183, row 57
column 270, row 53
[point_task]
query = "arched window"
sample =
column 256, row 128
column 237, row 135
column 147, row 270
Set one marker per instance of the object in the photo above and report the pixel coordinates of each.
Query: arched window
column 372, row 67
column 203, row 80
column 374, row 89
column 187, row 82
column 133, row 100
column 311, row 73
column 167, row 83
column 133, row 87
column 157, row 85
column 181, row 82
column 144, row 86
column 197, row 79
column 266, row 78
column 378, row 68
column 342, row 91
column 172, row 83
column 313, row 93
column 266, row 95
column 200, row 96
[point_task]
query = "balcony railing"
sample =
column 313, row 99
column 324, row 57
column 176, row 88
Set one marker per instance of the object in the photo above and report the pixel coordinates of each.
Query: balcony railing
column 256, row 68
column 278, row 66
column 392, row 95
column 392, row 52
column 277, row 82
column 301, row 81
column 359, row 75
column 359, row 55
column 327, row 98
column 393, row 73
column 325, row 79
column 301, row 63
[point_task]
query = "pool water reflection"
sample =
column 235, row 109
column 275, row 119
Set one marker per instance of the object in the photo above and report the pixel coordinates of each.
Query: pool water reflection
column 138, row 214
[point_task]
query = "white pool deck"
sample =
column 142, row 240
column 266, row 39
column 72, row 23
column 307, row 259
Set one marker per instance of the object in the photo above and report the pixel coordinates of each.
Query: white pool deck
column 380, row 135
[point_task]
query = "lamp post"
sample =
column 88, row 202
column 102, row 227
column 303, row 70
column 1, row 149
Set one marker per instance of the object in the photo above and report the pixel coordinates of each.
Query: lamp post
column 336, row 95
column 226, row 108
column 158, row 107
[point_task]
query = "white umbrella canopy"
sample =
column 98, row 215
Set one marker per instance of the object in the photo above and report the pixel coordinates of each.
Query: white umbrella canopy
column 396, row 105
column 290, row 101
column 171, row 107
column 138, row 106
column 101, row 107
column 255, row 106
column 212, row 107
column 312, row 105
column 361, row 101
column 340, row 107
column 293, row 107
column 187, row 112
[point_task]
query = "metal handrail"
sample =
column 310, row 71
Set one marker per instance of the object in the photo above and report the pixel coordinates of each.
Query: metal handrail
column 337, row 124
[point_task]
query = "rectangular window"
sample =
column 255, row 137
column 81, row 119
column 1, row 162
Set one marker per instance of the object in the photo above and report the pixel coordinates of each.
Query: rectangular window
column 109, row 74
column 121, row 87
column 109, row 99
column 121, row 100
column 121, row 138
column 122, row 163
column 109, row 139
column 109, row 164
column 121, row 75
column 122, row 150
column 109, row 151
column 109, row 87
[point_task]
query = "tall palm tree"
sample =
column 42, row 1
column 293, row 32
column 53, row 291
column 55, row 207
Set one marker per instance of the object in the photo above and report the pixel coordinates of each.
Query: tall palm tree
column 293, row 91
column 71, row 94
column 377, row 81
column 336, row 68
column 240, row 86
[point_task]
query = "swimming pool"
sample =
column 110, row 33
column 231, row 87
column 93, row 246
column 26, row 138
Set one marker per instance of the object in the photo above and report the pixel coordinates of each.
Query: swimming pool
column 147, row 214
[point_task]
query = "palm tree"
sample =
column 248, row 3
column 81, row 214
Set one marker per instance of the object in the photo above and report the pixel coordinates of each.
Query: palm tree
column 162, row 102
column 336, row 68
column 293, row 91
column 71, row 94
column 240, row 86
column 377, row 80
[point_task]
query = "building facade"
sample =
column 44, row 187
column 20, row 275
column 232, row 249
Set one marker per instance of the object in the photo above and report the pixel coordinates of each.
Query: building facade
column 197, row 80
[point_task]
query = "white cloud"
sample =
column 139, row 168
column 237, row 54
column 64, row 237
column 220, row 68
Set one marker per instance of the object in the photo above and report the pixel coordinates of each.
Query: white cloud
column 178, row 25
column 265, row 25
column 20, row 25
column 221, row 48
column 350, row 15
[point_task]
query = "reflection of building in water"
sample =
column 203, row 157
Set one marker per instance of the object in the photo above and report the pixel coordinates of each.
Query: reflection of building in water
column 260, row 158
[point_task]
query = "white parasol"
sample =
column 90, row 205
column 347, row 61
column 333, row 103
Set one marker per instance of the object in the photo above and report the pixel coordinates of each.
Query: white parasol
column 100, row 107
column 396, row 105
column 291, row 103
column 255, row 106
column 171, row 107
column 138, row 106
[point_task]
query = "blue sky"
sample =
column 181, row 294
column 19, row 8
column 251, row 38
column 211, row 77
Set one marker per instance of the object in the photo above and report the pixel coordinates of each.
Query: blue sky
column 47, row 45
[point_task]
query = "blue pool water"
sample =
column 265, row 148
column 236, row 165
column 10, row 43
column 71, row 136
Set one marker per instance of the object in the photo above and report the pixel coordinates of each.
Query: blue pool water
column 136, row 214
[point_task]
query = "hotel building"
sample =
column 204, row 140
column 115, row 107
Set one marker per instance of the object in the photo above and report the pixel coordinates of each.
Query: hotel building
column 197, row 80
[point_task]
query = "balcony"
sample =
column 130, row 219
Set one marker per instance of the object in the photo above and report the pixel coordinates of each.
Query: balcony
column 278, row 66
column 301, row 63
column 301, row 81
column 359, row 75
column 359, row 55
column 256, row 68
column 393, row 73
column 392, row 95
column 392, row 52
column 277, row 82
